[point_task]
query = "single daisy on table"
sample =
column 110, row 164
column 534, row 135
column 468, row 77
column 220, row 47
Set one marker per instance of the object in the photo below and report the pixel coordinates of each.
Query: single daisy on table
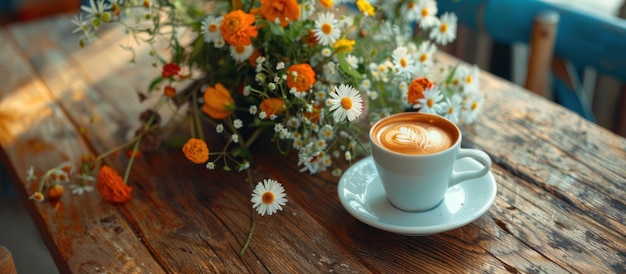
column 445, row 31
column 326, row 30
column 346, row 102
column 211, row 28
column 268, row 197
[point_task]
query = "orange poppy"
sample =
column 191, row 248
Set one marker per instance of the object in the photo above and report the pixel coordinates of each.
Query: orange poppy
column 196, row 151
column 237, row 28
column 301, row 77
column 283, row 10
column 112, row 187
column 417, row 88
column 218, row 103
column 272, row 106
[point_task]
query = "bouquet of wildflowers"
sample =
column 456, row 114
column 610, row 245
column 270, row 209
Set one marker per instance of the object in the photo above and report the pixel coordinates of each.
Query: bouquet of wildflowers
column 311, row 73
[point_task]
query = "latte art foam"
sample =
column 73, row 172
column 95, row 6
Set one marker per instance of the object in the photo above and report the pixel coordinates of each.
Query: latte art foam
column 414, row 138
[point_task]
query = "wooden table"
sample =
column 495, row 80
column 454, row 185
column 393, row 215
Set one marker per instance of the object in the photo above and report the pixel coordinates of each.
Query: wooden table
column 560, row 204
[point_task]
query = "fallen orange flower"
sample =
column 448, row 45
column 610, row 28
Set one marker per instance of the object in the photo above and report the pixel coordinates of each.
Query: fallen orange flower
column 112, row 187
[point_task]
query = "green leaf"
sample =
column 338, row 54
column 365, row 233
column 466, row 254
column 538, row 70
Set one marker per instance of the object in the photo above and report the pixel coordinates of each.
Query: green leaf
column 345, row 67
column 155, row 82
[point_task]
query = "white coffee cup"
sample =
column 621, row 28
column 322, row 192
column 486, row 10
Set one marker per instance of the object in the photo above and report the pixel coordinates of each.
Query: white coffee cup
column 415, row 154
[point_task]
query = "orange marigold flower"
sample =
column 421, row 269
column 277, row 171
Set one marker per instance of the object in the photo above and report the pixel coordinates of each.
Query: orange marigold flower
column 327, row 3
column 170, row 70
column 283, row 10
column 301, row 77
column 196, row 151
column 417, row 88
column 237, row 28
column 112, row 187
column 55, row 191
column 218, row 103
column 272, row 106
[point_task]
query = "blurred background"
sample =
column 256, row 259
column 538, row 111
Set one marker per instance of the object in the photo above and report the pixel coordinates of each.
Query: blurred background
column 508, row 58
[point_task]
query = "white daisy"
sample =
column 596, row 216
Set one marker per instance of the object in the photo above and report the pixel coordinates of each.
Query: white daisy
column 219, row 128
column 473, row 105
column 210, row 165
column 346, row 102
column 96, row 9
column 425, row 56
column 80, row 189
column 211, row 28
column 241, row 53
column 80, row 24
column 235, row 138
column 445, row 31
column 353, row 61
column 430, row 102
column 268, row 197
column 30, row 174
column 452, row 108
column 403, row 63
column 470, row 81
column 219, row 43
column 238, row 123
column 426, row 13
column 326, row 30
column 253, row 109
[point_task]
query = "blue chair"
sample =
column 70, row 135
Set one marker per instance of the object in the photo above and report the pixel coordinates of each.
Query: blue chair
column 580, row 40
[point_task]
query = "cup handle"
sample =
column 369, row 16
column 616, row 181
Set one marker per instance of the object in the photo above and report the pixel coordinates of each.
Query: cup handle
column 479, row 156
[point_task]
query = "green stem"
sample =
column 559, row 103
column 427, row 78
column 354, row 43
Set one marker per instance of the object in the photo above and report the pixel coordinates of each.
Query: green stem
column 196, row 115
column 253, row 219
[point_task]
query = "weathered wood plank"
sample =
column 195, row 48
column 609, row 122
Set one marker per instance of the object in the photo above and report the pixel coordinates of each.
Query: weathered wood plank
column 564, row 154
column 34, row 131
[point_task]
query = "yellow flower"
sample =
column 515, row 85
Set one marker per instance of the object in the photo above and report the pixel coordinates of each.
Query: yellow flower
column 218, row 103
column 344, row 45
column 365, row 7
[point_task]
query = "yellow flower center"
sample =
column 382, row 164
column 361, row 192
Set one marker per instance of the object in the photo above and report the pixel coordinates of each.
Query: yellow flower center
column 403, row 62
column 346, row 103
column 411, row 5
column 240, row 49
column 468, row 79
column 424, row 57
column 213, row 28
column 474, row 105
column 424, row 12
column 430, row 103
column 450, row 110
column 455, row 82
column 327, row 28
column 443, row 28
column 268, row 197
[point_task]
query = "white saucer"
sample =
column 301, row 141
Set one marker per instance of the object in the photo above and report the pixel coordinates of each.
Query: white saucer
column 361, row 193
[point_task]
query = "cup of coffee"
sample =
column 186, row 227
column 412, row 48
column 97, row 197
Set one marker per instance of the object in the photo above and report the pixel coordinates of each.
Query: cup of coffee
column 414, row 154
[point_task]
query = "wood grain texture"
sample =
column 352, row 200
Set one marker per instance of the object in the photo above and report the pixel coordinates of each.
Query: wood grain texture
column 559, row 207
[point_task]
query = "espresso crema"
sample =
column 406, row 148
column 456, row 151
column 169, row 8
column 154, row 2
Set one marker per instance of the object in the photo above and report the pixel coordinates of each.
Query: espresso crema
column 413, row 137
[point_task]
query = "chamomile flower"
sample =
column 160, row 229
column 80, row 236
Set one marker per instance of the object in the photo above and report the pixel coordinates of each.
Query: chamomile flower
column 326, row 30
column 473, row 106
column 253, row 109
column 425, row 56
column 211, row 28
column 37, row 197
column 235, row 138
column 346, row 102
column 445, row 31
column 30, row 174
column 430, row 102
column 403, row 63
column 210, row 165
column 97, row 10
column 353, row 61
column 268, row 197
column 426, row 13
column 219, row 43
column 80, row 189
column 219, row 128
column 452, row 108
column 80, row 24
column 238, row 123
column 241, row 53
